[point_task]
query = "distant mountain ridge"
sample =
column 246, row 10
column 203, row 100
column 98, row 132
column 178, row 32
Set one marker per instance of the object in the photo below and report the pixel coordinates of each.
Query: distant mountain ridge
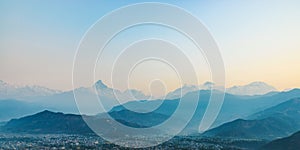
column 254, row 88
column 10, row 108
column 251, row 89
column 275, row 122
column 289, row 109
column 47, row 122
column 89, row 98
column 66, row 103
column 180, row 92
column 129, row 94
column 278, row 121
column 289, row 143
column 234, row 106
column 8, row 91
column 268, row 128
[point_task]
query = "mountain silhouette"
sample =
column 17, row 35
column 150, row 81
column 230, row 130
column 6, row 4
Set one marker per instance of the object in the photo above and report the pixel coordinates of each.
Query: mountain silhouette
column 275, row 122
column 289, row 143
column 48, row 122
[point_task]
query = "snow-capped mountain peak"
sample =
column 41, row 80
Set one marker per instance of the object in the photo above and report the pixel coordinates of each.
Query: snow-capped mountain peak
column 254, row 88
column 21, row 92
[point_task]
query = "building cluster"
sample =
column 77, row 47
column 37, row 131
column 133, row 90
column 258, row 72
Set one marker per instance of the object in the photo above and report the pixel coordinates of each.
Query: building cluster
column 61, row 142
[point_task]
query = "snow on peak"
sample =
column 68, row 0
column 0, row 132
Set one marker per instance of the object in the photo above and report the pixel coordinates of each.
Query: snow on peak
column 254, row 88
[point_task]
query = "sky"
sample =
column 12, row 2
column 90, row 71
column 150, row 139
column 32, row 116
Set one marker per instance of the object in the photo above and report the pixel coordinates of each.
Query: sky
column 259, row 41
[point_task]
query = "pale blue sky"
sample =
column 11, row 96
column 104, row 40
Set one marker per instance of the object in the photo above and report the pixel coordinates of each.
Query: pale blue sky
column 259, row 39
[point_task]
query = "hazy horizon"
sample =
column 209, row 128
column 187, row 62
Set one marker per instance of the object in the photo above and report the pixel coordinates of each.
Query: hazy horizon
column 122, row 90
column 39, row 41
column 156, row 74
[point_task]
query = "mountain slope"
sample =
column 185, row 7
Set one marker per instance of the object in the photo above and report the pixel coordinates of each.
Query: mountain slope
column 88, row 99
column 277, row 121
column 67, row 103
column 180, row 92
column 8, row 91
column 268, row 128
column 254, row 88
column 289, row 143
column 130, row 94
column 48, row 122
column 143, row 119
column 234, row 106
column 289, row 109
column 10, row 108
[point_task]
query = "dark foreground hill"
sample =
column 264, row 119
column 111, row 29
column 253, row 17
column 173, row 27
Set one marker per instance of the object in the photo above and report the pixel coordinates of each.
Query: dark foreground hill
column 289, row 143
column 48, row 122
column 269, row 128
column 276, row 122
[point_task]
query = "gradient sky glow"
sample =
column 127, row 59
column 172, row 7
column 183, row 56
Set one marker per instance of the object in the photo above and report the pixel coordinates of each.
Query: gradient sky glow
column 258, row 39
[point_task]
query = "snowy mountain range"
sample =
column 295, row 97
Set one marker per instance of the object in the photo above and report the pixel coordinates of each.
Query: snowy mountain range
column 109, row 97
column 180, row 92
column 22, row 92
column 129, row 94
column 254, row 88
column 8, row 91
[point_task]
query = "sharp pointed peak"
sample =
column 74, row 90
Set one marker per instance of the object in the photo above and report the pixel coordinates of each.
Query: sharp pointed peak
column 100, row 84
column 208, row 83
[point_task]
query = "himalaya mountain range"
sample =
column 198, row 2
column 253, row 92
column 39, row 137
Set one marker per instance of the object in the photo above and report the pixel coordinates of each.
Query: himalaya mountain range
column 34, row 98
column 10, row 91
column 262, row 113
